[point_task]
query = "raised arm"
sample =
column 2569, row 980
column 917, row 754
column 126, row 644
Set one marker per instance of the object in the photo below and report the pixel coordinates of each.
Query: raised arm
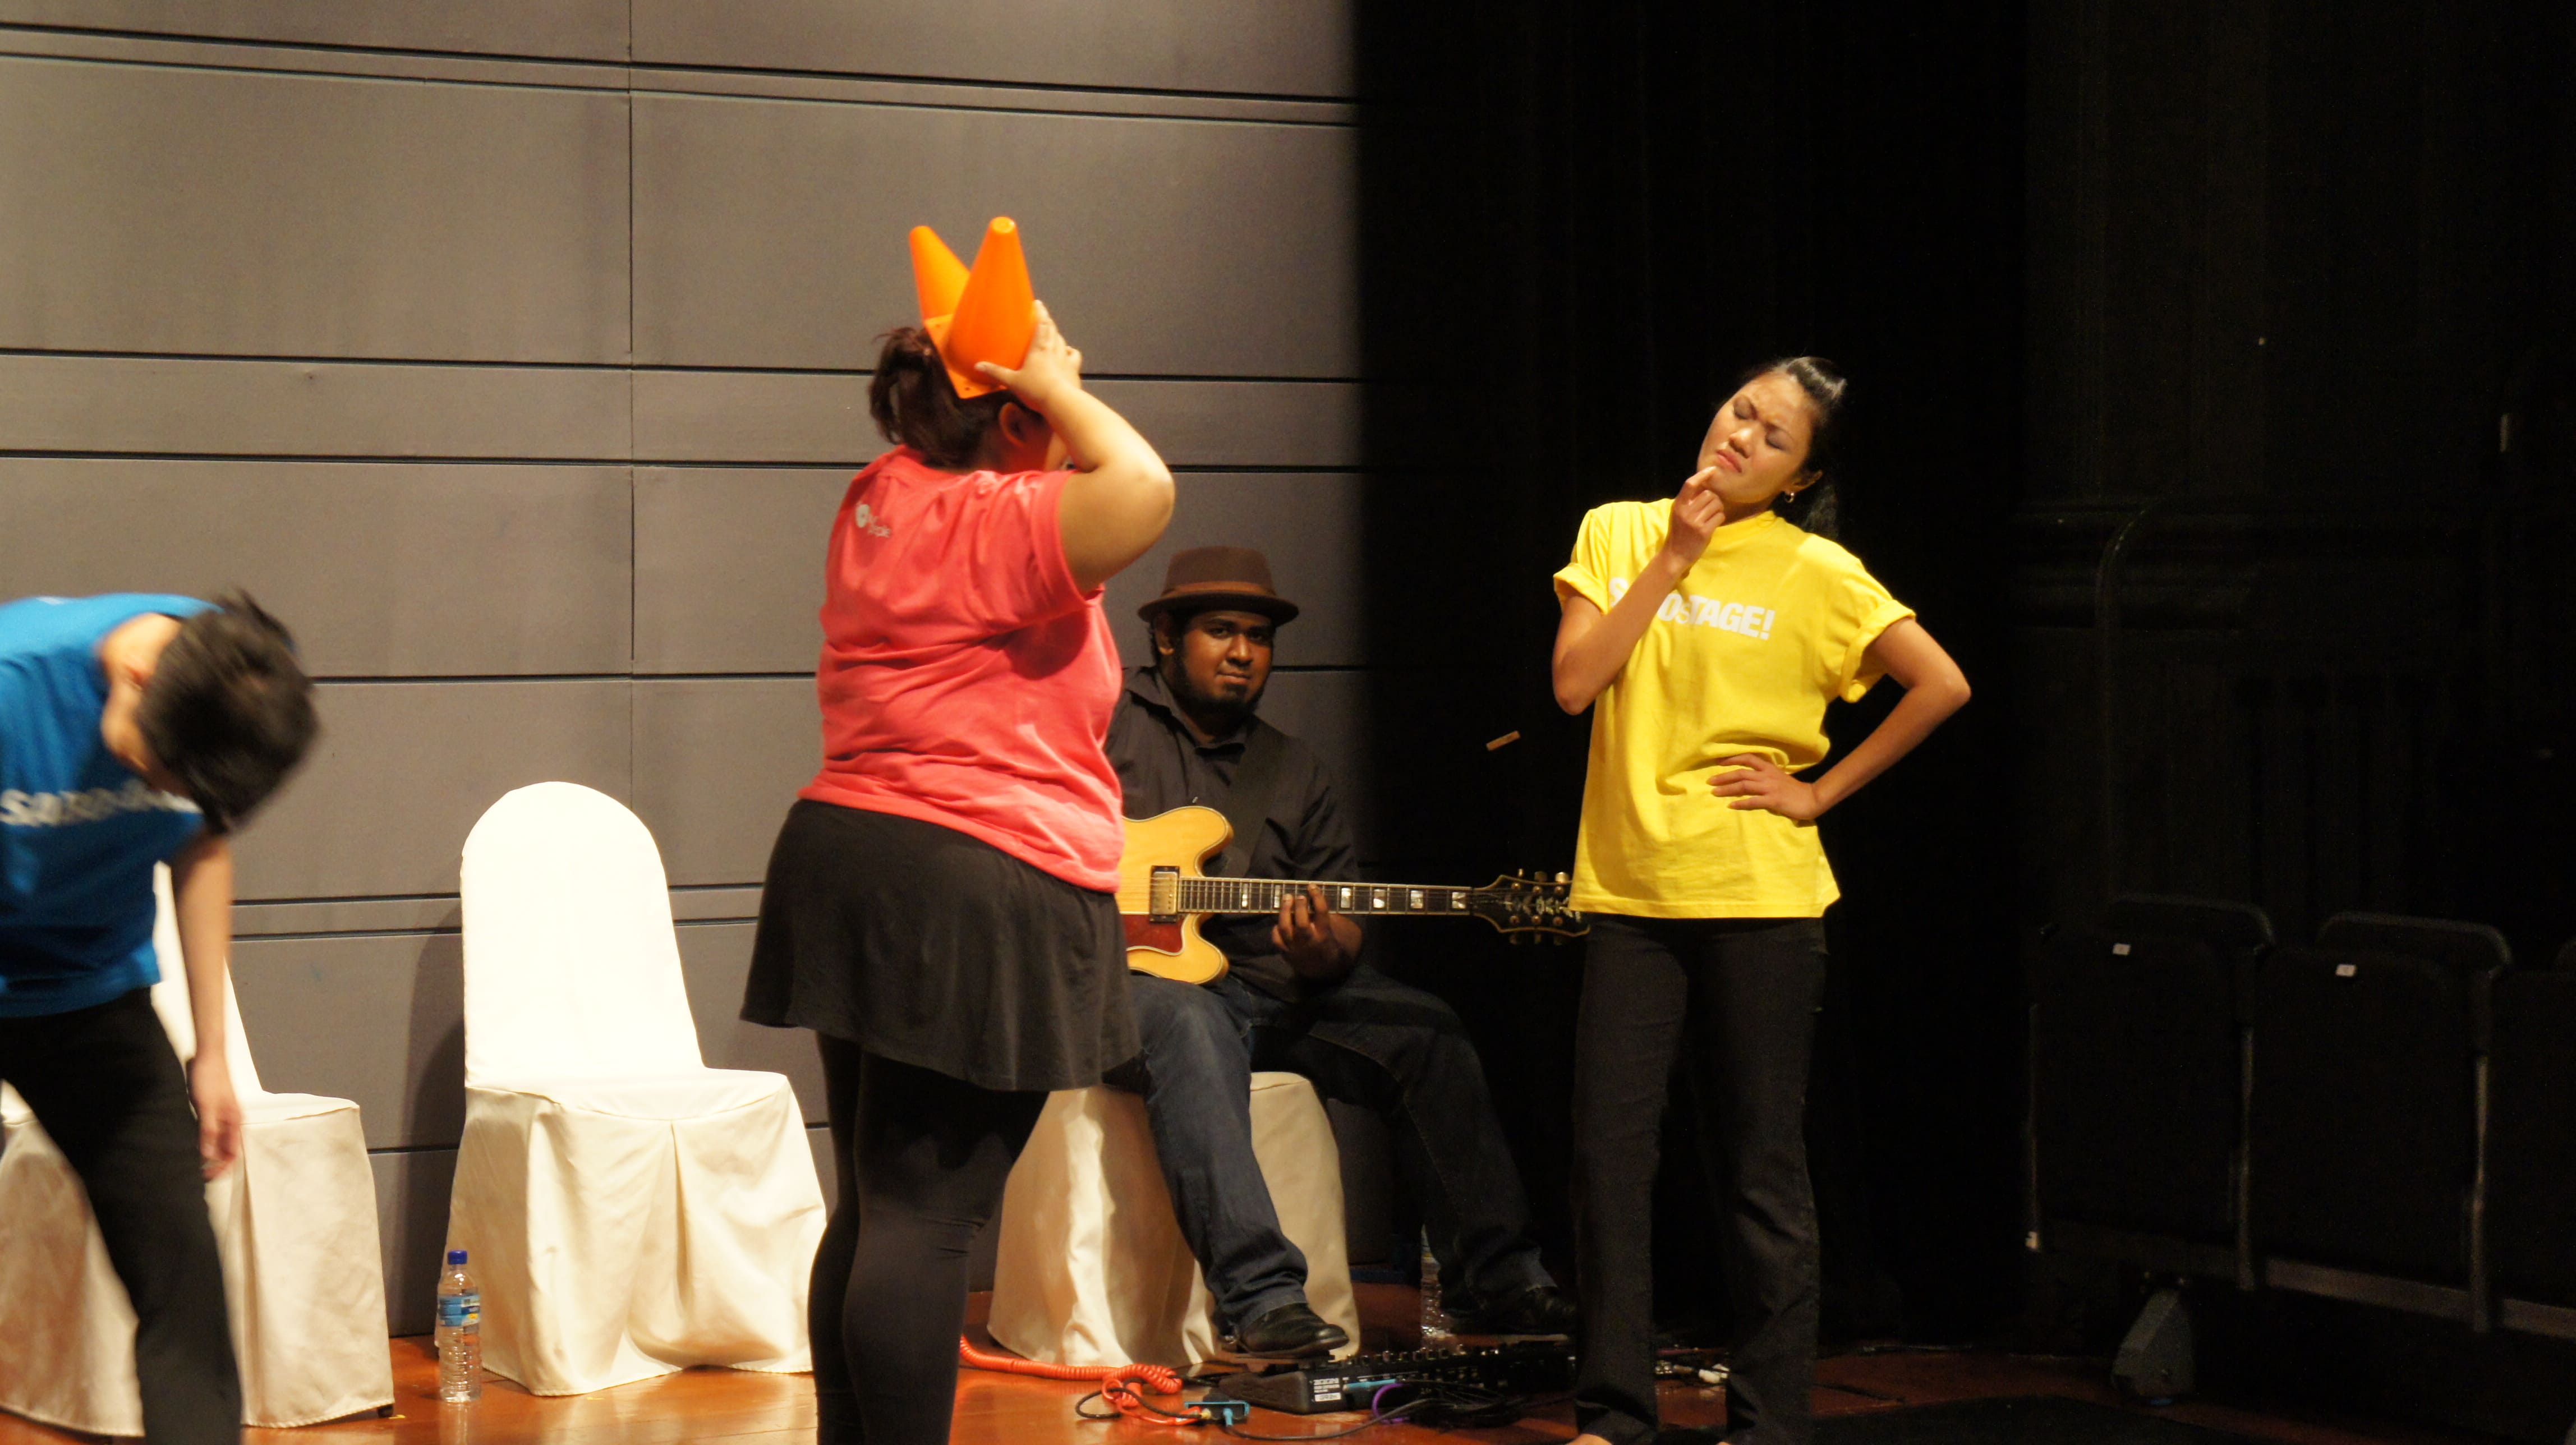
column 201, row 886
column 1120, row 498
column 1591, row 645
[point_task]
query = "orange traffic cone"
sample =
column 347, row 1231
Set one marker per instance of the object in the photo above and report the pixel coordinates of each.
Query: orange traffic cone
column 987, row 314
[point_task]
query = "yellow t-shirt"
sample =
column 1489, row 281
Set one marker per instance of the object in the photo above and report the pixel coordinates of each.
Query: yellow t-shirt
column 1770, row 625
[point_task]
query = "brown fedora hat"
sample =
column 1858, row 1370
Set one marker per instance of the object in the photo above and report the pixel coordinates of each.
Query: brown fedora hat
column 1204, row 577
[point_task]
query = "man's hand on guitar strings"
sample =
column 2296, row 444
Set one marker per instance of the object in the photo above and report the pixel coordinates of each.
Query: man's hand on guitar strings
column 1317, row 942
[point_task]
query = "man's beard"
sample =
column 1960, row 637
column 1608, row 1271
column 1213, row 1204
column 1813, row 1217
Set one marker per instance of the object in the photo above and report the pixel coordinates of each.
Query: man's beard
column 1216, row 712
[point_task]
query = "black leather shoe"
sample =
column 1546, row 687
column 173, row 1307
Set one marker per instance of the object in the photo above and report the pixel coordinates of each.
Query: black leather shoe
column 1541, row 1309
column 1290, row 1332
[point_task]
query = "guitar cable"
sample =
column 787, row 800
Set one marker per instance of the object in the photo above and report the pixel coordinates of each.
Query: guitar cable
column 1124, row 1387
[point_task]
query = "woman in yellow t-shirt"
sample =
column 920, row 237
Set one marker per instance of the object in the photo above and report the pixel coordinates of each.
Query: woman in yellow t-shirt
column 1707, row 633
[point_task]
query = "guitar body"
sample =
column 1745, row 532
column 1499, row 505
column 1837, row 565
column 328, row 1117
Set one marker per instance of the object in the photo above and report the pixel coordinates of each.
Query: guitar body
column 1164, row 890
column 1184, row 838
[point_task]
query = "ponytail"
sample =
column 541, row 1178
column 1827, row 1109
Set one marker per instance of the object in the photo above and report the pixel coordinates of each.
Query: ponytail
column 916, row 405
column 1814, row 508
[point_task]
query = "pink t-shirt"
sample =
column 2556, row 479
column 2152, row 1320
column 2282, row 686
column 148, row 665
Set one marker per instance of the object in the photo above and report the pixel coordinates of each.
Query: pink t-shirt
column 965, row 680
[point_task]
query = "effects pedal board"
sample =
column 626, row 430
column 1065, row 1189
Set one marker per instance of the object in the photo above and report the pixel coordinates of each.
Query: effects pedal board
column 1531, row 1367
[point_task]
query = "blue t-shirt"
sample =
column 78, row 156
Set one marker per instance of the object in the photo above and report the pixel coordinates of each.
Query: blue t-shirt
column 79, row 831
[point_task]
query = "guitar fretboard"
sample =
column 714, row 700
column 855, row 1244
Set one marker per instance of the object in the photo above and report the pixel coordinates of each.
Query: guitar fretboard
column 1264, row 895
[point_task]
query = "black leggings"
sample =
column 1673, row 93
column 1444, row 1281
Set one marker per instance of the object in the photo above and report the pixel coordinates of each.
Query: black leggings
column 1735, row 1000
column 920, row 1160
column 103, row 1082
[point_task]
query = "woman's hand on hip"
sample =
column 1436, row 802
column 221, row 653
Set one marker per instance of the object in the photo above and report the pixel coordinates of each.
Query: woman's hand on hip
column 1764, row 784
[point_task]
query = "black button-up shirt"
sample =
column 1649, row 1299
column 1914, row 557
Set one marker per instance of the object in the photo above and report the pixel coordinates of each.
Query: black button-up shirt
column 1162, row 766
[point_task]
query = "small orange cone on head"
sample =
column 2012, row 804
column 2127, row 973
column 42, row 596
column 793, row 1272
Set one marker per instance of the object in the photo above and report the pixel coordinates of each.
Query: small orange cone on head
column 938, row 275
column 987, row 314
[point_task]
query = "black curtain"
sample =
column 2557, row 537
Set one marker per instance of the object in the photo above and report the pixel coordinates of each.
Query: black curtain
column 1580, row 225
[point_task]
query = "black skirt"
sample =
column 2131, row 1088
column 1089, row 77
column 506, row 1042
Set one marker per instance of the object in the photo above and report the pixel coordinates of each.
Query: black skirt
column 923, row 945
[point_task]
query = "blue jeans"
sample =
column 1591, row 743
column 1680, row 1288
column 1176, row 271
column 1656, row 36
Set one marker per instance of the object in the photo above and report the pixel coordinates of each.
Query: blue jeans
column 1370, row 1041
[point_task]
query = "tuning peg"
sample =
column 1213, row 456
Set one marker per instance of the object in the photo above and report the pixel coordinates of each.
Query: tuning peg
column 1561, row 878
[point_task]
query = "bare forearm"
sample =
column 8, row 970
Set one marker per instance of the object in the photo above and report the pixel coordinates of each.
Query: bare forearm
column 201, row 886
column 1921, row 710
column 1592, row 645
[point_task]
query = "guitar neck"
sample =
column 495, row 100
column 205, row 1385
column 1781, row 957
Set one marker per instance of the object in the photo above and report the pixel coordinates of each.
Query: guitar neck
column 1265, row 895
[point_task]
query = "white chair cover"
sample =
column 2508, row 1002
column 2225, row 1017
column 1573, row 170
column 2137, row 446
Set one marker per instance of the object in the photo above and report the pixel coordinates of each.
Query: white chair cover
column 295, row 1219
column 629, row 1211
column 1092, row 1269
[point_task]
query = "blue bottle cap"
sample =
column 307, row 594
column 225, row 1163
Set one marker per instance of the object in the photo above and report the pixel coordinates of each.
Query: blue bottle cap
column 456, row 1256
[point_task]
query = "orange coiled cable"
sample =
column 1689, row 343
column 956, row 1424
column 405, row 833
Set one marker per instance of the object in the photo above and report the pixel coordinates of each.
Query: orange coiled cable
column 1123, row 1386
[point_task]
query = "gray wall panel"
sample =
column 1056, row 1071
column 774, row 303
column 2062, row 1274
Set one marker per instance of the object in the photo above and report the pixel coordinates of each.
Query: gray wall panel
column 439, row 910
column 729, row 567
column 715, row 905
column 404, row 770
column 379, row 1020
column 755, row 416
column 1243, row 423
column 942, row 94
column 1306, row 523
column 160, row 209
column 1262, row 47
column 716, row 957
column 771, row 233
column 717, row 765
column 411, row 1227
column 380, row 569
column 570, row 29
column 311, row 409
column 345, row 915
column 767, row 416
column 418, row 65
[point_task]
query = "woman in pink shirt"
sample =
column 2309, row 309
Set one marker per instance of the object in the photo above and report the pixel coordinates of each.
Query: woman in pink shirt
column 941, row 904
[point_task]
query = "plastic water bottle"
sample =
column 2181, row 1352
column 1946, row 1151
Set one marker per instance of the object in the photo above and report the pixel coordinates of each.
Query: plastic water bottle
column 460, row 1332
column 1439, row 1332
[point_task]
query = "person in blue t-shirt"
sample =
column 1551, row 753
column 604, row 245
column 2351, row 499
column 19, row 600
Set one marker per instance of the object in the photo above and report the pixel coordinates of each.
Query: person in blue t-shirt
column 137, row 730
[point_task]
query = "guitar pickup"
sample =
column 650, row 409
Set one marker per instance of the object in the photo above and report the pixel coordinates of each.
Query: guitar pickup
column 1163, row 895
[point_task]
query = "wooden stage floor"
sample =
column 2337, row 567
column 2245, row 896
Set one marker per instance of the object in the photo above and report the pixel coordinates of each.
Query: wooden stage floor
column 992, row 1409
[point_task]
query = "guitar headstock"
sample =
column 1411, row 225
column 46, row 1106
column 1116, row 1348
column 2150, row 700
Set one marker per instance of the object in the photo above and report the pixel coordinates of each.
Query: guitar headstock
column 1528, row 907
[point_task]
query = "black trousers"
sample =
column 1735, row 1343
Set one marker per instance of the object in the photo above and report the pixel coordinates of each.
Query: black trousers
column 1735, row 1001
column 107, row 1088
column 920, row 1160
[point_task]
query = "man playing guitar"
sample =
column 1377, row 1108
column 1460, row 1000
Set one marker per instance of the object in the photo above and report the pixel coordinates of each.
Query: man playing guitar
column 1295, row 996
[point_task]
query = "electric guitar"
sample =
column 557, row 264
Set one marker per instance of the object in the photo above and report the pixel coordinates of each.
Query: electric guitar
column 1162, row 895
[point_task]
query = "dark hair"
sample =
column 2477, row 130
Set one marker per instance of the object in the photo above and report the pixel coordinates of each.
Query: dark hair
column 228, row 711
column 916, row 405
column 1815, row 508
